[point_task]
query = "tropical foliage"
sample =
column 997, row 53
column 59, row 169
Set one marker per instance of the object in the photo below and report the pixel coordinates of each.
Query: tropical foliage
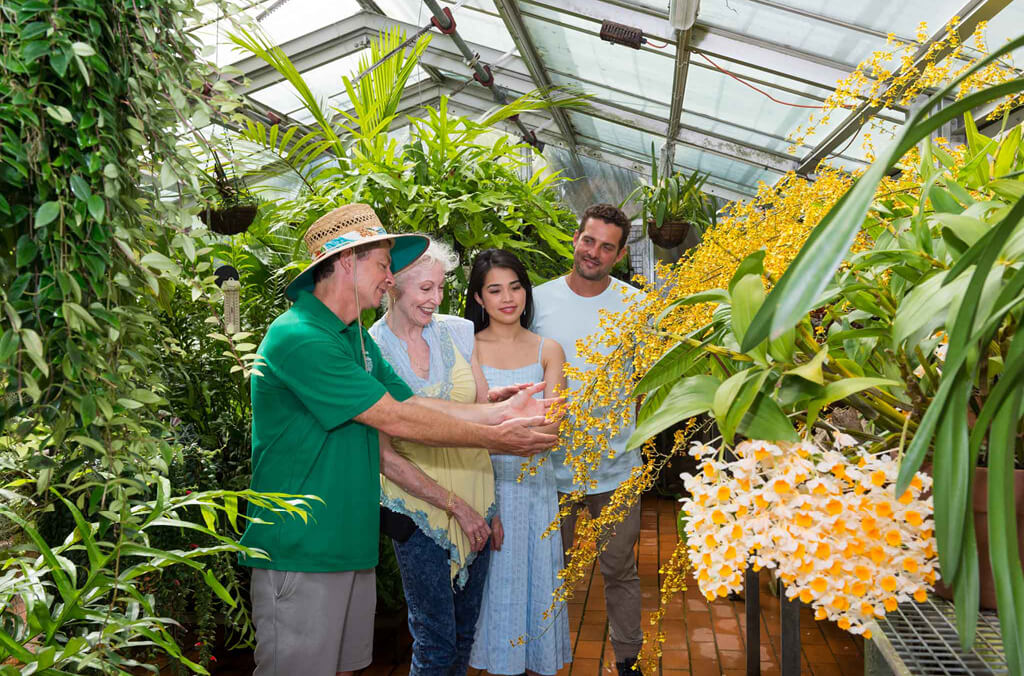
column 454, row 178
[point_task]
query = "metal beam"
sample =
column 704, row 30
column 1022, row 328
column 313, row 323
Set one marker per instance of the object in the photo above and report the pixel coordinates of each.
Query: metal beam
column 970, row 16
column 372, row 7
column 509, row 11
column 317, row 48
column 675, row 112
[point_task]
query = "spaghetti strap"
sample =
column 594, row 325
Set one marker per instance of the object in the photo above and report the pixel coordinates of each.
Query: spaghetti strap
column 540, row 350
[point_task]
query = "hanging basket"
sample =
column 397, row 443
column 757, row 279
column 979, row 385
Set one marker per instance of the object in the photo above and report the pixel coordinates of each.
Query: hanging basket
column 229, row 220
column 669, row 235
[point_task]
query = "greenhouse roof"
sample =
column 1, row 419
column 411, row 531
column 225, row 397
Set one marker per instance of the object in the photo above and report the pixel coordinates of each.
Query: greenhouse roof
column 721, row 97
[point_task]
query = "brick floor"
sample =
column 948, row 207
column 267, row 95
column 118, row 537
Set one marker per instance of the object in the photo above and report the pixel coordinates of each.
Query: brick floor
column 702, row 639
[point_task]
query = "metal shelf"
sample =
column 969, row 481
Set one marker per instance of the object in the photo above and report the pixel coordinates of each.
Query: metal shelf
column 921, row 639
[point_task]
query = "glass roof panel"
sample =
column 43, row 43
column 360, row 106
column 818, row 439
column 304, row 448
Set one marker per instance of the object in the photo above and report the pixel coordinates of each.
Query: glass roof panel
column 572, row 52
column 724, row 170
column 324, row 81
column 477, row 20
column 611, row 95
column 884, row 16
column 287, row 21
column 632, row 140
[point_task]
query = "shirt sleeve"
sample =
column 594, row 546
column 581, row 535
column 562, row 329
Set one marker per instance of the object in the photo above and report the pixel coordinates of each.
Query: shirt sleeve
column 328, row 380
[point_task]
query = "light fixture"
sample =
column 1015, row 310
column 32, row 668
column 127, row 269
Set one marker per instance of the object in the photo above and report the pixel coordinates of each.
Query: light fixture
column 682, row 14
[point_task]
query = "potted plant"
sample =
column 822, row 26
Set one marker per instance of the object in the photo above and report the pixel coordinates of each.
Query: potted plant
column 230, row 208
column 673, row 204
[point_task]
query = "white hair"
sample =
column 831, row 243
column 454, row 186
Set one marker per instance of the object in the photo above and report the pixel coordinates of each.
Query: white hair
column 436, row 253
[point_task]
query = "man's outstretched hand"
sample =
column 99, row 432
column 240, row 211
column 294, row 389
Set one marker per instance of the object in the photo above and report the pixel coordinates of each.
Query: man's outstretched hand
column 523, row 405
column 519, row 436
column 496, row 394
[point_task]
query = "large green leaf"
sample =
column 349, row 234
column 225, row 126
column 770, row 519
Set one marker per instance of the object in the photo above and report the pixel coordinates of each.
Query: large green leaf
column 829, row 242
column 672, row 365
column 687, row 398
column 924, row 309
column 765, row 420
column 1003, row 548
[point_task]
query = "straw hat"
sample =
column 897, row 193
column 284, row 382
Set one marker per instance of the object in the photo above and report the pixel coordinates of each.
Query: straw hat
column 346, row 227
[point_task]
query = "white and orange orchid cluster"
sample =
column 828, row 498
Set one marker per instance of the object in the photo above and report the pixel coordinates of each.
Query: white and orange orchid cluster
column 826, row 520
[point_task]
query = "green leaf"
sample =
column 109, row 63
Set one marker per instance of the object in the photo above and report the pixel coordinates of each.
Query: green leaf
column 219, row 589
column 968, row 230
column 8, row 344
column 952, row 473
column 129, row 403
column 841, row 389
column 766, row 421
column 80, row 188
column 82, row 49
column 670, row 367
column 1007, row 188
column 33, row 343
column 687, row 398
column 46, row 213
column 727, row 392
column 747, row 296
column 59, row 113
column 146, row 397
column 812, row 370
column 155, row 259
column 87, row 409
column 741, row 404
column 751, row 265
column 924, row 309
column 26, row 251
column 97, row 208
column 718, row 296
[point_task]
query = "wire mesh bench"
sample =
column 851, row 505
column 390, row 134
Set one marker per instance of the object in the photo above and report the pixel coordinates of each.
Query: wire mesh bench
column 921, row 639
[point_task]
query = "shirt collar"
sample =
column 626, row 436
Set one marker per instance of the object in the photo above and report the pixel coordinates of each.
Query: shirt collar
column 312, row 308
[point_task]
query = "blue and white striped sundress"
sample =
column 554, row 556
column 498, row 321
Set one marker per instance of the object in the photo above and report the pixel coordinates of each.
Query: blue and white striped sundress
column 523, row 575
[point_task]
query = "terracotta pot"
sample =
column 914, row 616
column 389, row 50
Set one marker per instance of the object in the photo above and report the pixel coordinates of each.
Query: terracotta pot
column 670, row 234
column 988, row 585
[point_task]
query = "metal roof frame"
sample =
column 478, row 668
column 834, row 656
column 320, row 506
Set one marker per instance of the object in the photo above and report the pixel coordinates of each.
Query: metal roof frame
column 811, row 76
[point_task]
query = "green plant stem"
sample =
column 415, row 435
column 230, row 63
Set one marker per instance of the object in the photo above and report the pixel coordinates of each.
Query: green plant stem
column 713, row 349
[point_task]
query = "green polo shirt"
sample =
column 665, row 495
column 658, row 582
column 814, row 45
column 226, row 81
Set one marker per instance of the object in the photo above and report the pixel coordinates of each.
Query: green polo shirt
column 305, row 441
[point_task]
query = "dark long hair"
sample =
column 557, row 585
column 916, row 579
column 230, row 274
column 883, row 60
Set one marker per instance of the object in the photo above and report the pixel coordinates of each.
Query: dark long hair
column 485, row 260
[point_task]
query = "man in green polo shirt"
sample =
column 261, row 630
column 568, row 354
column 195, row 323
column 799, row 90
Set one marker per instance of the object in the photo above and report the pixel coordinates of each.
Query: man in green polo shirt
column 324, row 396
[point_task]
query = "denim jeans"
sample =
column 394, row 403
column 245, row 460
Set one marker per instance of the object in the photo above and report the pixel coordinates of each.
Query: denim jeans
column 442, row 619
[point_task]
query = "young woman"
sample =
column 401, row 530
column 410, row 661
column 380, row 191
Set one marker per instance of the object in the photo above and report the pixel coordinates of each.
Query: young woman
column 523, row 571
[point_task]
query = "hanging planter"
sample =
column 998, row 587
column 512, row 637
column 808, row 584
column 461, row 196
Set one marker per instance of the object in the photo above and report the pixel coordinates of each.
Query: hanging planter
column 669, row 234
column 672, row 204
column 232, row 208
column 229, row 220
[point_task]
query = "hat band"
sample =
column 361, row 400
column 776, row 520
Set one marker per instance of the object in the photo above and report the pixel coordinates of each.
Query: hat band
column 346, row 239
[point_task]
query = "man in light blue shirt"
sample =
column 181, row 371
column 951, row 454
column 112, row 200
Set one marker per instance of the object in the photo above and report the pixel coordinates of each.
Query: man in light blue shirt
column 567, row 310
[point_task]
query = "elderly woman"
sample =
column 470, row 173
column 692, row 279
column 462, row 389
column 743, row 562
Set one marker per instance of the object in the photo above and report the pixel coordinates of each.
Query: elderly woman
column 443, row 568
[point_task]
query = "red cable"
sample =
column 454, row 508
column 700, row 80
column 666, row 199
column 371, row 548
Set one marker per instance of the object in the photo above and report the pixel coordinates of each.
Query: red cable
column 760, row 91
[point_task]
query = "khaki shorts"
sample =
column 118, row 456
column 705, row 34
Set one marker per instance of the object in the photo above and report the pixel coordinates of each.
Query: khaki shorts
column 313, row 624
